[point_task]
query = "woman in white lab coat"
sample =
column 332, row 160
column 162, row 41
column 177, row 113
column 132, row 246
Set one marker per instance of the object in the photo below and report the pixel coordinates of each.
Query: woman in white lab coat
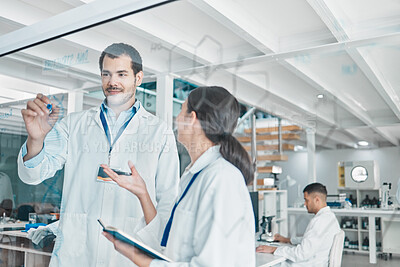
column 212, row 223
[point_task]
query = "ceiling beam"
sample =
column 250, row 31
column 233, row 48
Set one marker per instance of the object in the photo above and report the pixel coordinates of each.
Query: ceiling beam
column 95, row 40
column 225, row 12
column 279, row 56
column 72, row 21
column 256, row 88
column 232, row 17
column 369, row 69
column 205, row 58
column 256, row 96
column 71, row 71
column 279, row 105
column 20, row 68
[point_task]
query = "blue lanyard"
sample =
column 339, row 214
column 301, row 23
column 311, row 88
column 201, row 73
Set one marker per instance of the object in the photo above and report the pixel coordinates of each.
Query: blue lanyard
column 121, row 130
column 171, row 218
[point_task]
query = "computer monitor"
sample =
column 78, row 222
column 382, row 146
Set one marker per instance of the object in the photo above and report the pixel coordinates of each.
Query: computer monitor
column 254, row 202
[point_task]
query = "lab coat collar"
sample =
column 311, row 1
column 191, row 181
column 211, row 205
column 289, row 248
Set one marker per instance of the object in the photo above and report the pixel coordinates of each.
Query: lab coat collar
column 323, row 210
column 139, row 114
column 210, row 155
column 135, row 107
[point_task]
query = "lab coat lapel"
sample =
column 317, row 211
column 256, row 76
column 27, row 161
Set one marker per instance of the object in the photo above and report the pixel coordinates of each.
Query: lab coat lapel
column 97, row 119
column 133, row 125
column 209, row 156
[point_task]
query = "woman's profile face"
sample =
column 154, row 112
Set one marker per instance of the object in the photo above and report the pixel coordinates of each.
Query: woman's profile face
column 184, row 129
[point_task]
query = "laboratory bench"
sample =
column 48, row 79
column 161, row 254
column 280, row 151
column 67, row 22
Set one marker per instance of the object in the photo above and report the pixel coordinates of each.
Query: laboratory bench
column 390, row 231
column 18, row 250
column 267, row 259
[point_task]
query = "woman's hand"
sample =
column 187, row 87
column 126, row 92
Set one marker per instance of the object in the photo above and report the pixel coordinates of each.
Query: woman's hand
column 134, row 183
column 132, row 253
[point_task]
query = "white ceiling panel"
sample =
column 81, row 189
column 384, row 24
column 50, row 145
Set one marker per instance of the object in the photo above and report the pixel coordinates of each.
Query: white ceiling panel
column 362, row 18
column 387, row 58
column 338, row 73
column 275, row 55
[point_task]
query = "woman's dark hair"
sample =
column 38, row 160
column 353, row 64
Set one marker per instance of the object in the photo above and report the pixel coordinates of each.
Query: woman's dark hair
column 218, row 113
column 118, row 49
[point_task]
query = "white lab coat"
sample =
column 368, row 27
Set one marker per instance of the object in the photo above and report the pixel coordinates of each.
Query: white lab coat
column 214, row 223
column 6, row 191
column 314, row 247
column 146, row 142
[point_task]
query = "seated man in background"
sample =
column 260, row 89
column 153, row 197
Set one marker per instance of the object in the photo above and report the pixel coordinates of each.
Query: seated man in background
column 6, row 195
column 314, row 247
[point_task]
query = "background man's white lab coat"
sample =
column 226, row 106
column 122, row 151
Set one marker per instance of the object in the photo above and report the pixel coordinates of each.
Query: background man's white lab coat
column 314, row 247
column 6, row 191
column 83, row 147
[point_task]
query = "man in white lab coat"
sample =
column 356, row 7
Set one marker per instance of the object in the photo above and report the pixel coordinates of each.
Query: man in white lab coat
column 6, row 195
column 314, row 247
column 113, row 133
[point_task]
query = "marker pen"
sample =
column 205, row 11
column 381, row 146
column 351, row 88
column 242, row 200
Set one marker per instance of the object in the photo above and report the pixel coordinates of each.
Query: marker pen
column 49, row 107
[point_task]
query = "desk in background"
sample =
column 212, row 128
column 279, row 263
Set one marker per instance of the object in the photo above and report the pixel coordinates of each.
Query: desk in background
column 12, row 226
column 267, row 259
column 17, row 244
column 17, row 249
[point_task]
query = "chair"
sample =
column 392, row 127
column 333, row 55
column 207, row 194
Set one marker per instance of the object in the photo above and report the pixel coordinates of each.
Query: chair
column 335, row 256
column 23, row 212
column 6, row 206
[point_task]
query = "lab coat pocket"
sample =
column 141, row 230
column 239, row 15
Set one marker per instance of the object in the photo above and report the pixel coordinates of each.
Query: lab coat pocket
column 182, row 234
column 73, row 237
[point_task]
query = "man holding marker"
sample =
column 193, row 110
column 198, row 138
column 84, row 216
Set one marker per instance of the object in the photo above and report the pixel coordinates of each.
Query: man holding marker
column 118, row 131
column 50, row 108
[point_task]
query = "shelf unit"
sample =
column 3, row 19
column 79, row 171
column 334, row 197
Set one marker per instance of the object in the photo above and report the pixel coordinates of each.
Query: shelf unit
column 391, row 232
column 360, row 233
column 18, row 250
column 349, row 230
column 270, row 141
column 360, row 194
column 274, row 202
column 355, row 250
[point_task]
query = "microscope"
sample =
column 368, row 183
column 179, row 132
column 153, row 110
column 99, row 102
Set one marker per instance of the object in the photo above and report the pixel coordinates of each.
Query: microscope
column 269, row 212
column 385, row 202
column 266, row 235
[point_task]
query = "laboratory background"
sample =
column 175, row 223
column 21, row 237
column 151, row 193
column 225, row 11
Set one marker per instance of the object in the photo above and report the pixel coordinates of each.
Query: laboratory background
column 318, row 83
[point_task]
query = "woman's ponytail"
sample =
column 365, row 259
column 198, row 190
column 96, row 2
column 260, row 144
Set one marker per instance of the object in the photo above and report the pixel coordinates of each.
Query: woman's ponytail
column 218, row 112
column 234, row 152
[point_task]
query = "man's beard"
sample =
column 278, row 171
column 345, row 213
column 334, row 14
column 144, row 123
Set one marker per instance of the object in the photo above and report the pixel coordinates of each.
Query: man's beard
column 119, row 99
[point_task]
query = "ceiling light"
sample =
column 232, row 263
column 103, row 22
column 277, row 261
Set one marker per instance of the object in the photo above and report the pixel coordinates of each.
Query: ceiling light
column 362, row 143
column 320, row 96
